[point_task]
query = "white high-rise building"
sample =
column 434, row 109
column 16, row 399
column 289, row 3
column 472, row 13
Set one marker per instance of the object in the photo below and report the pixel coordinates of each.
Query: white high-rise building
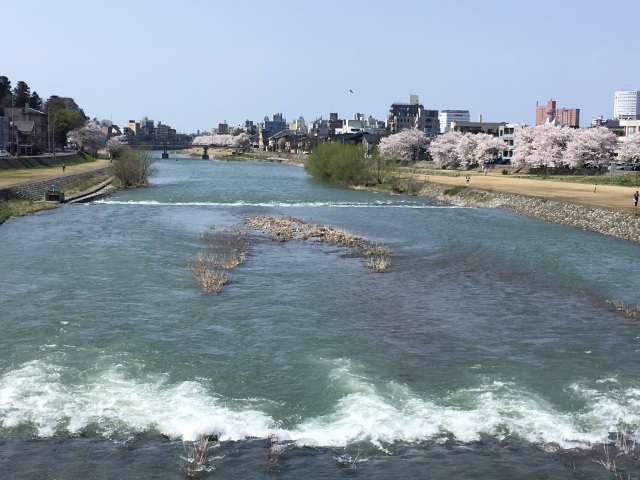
column 626, row 105
column 448, row 116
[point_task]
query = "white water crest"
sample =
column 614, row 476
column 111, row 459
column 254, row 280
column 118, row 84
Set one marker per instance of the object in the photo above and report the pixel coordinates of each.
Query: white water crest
column 383, row 413
column 380, row 204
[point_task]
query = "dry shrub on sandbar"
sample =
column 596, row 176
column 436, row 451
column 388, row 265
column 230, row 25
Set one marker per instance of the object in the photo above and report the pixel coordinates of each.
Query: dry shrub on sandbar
column 225, row 250
column 283, row 229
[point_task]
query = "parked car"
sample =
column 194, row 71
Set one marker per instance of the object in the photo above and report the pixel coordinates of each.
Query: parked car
column 4, row 153
column 625, row 166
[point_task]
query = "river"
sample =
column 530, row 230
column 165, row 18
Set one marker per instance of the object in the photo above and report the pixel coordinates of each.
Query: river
column 487, row 350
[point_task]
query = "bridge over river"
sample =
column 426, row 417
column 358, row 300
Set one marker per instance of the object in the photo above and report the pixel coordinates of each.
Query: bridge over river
column 166, row 148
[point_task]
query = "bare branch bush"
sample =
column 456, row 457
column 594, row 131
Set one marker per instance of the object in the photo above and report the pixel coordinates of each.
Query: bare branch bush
column 378, row 264
column 348, row 461
column 376, row 249
column 225, row 250
column 628, row 311
column 197, row 455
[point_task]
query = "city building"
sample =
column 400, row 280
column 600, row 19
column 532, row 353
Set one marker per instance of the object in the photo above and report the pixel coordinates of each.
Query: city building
column 270, row 128
column 446, row 117
column 626, row 128
column 509, row 133
column 350, row 126
column 562, row 116
column 223, row 128
column 490, row 128
column 626, row 105
column 30, row 130
column 319, row 128
column 298, row 125
column 5, row 133
column 412, row 115
column 333, row 123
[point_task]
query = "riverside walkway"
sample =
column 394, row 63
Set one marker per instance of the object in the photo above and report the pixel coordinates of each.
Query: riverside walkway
column 606, row 196
column 18, row 176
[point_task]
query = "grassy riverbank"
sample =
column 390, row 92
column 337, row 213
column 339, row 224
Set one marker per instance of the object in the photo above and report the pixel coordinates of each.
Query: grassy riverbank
column 19, row 208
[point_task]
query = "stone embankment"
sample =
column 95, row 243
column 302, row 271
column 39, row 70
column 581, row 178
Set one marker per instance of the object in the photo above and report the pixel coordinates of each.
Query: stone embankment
column 39, row 161
column 35, row 190
column 607, row 222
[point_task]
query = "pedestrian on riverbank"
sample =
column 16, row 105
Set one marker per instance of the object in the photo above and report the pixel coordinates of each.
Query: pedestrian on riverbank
column 63, row 167
column 595, row 187
column 635, row 200
column 484, row 169
column 468, row 177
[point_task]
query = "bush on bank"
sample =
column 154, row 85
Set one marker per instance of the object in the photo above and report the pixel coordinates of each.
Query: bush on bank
column 337, row 163
column 133, row 167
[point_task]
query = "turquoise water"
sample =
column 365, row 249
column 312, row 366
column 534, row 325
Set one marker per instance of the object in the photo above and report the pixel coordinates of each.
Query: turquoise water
column 487, row 349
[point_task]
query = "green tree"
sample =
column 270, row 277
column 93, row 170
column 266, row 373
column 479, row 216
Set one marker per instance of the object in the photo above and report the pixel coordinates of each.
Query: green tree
column 66, row 116
column 381, row 167
column 21, row 95
column 63, row 122
column 337, row 163
column 56, row 103
column 35, row 101
column 133, row 167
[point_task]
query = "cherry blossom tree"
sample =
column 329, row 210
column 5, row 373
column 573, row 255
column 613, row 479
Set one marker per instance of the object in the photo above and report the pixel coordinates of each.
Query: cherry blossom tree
column 466, row 147
column 630, row 150
column 487, row 146
column 403, row 146
column 88, row 137
column 116, row 144
column 542, row 145
column 241, row 140
column 202, row 140
column 590, row 145
column 444, row 149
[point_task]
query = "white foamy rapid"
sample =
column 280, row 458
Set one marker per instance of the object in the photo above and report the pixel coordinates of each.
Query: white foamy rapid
column 378, row 204
column 35, row 396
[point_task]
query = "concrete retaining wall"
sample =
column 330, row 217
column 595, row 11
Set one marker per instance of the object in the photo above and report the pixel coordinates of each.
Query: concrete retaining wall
column 39, row 161
column 35, row 190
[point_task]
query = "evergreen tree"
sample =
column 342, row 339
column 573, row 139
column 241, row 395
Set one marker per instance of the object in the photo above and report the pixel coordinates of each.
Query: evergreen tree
column 5, row 92
column 21, row 95
column 35, row 101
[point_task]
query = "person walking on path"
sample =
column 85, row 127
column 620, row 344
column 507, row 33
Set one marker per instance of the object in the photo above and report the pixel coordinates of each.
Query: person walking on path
column 635, row 200
column 63, row 167
column 468, row 178
column 595, row 187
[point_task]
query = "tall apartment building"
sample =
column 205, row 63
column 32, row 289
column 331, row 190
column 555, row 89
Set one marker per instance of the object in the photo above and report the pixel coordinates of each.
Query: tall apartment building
column 448, row 116
column 626, row 105
column 412, row 115
column 563, row 116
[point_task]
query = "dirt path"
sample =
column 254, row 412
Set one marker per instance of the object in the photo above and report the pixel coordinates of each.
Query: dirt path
column 25, row 175
column 605, row 196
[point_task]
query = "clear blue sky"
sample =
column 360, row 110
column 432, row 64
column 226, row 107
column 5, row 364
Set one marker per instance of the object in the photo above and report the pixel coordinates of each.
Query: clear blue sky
column 195, row 63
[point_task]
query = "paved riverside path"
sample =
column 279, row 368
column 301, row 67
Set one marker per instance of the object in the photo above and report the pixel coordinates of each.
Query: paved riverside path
column 606, row 196
column 9, row 178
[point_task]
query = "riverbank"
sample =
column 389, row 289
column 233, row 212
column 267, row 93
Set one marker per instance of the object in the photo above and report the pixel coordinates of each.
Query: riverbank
column 616, row 223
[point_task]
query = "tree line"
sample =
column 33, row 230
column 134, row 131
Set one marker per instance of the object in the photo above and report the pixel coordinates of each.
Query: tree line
column 540, row 146
column 64, row 113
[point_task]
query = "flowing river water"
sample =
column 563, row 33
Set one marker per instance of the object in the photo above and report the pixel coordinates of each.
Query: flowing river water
column 486, row 350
